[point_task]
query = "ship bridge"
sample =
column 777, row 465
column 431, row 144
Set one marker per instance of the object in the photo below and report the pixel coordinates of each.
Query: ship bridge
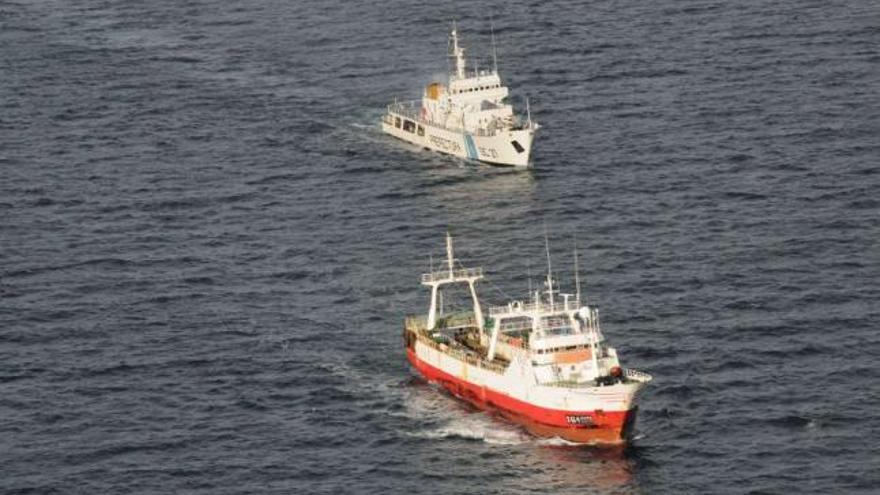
column 561, row 339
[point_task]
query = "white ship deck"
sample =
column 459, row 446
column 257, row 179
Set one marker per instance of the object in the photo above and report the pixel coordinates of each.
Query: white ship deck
column 411, row 110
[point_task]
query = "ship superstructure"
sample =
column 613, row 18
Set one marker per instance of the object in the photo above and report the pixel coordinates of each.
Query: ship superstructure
column 542, row 363
column 468, row 117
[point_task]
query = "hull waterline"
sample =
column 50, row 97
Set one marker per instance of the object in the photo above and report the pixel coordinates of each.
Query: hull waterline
column 607, row 428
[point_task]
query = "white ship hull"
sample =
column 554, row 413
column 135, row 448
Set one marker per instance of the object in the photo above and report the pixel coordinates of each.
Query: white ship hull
column 517, row 382
column 604, row 415
column 497, row 149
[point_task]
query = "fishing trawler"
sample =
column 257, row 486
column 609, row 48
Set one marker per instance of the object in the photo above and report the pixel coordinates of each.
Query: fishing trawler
column 468, row 117
column 542, row 363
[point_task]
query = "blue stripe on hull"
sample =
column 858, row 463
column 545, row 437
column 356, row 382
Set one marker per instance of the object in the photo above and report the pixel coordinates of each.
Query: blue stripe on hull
column 471, row 147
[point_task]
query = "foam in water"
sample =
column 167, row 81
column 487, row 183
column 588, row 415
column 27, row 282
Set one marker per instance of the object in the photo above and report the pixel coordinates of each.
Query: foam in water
column 477, row 426
column 448, row 418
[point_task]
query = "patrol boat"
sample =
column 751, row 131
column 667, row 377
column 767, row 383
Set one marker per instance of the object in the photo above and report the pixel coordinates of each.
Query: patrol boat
column 468, row 117
column 542, row 363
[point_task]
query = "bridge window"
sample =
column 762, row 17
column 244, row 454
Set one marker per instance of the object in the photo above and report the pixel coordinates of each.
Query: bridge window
column 397, row 122
column 556, row 325
column 517, row 327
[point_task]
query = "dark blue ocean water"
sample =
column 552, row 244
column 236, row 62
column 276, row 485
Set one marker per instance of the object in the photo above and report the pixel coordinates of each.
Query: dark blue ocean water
column 207, row 247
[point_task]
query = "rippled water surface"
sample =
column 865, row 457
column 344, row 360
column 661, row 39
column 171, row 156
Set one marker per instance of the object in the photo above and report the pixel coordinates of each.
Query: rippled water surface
column 207, row 247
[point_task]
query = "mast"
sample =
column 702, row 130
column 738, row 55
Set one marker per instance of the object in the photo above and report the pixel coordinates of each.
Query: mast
column 458, row 53
column 529, row 272
column 449, row 253
column 577, row 279
column 494, row 51
column 549, row 270
column 528, row 112
column 594, row 339
column 440, row 303
column 446, row 276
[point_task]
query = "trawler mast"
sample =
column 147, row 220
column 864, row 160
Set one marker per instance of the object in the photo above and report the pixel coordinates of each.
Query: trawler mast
column 436, row 280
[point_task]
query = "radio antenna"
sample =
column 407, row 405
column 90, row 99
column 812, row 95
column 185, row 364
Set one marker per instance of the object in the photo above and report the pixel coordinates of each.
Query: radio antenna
column 549, row 267
column 529, row 272
column 494, row 50
column 577, row 279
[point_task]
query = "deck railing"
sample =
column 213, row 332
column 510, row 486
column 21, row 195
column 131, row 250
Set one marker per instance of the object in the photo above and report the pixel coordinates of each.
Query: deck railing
column 462, row 319
column 541, row 306
column 519, row 325
column 457, row 320
column 570, row 384
column 628, row 373
column 639, row 376
column 418, row 325
column 412, row 110
column 446, row 275
column 469, row 357
column 415, row 323
column 409, row 109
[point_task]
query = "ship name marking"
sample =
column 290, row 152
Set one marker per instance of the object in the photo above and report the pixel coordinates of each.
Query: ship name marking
column 445, row 144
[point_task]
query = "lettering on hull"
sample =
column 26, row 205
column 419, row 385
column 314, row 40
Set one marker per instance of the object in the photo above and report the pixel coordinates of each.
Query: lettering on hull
column 488, row 152
column 445, row 144
column 579, row 420
column 464, row 145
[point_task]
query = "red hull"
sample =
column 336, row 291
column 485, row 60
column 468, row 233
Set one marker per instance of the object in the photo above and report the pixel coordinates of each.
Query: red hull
column 605, row 427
